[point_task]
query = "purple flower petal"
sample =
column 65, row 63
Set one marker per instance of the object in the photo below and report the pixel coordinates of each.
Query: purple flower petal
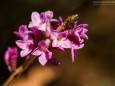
column 77, row 35
column 55, row 43
column 42, row 43
column 43, row 27
column 43, row 59
column 36, row 21
column 6, row 57
column 66, row 44
column 73, row 54
column 49, row 15
column 35, row 17
column 16, row 33
column 37, row 52
column 48, row 54
column 21, row 44
column 31, row 25
column 54, row 34
column 36, row 32
column 25, row 52
column 28, row 38
column 84, row 36
column 10, row 58
column 63, row 34
column 22, row 30
column 77, row 46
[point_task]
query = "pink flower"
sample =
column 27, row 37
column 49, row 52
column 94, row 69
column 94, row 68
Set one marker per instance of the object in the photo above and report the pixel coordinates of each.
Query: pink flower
column 10, row 58
column 47, row 16
column 26, row 45
column 60, row 40
column 77, row 36
column 23, row 30
column 43, row 52
column 80, row 31
column 41, row 21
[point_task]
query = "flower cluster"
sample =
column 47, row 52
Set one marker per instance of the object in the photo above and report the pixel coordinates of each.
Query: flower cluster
column 40, row 37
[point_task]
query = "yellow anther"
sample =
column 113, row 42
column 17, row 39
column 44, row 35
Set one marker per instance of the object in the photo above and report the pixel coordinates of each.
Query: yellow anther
column 43, row 48
column 40, row 23
column 59, row 38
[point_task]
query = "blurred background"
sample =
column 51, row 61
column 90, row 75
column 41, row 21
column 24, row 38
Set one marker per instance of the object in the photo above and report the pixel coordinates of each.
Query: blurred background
column 95, row 63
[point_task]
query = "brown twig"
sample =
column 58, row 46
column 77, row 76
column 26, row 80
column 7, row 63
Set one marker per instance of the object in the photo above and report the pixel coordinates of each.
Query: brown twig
column 19, row 71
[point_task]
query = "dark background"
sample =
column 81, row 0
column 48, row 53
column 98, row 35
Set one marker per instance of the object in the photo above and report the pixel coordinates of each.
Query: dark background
column 95, row 63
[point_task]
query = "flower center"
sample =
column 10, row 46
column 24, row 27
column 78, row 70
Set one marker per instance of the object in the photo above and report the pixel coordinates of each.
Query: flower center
column 43, row 48
column 26, row 46
column 59, row 38
column 40, row 23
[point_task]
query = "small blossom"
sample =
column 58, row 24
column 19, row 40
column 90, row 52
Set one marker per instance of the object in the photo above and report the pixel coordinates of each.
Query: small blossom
column 23, row 30
column 77, row 36
column 10, row 58
column 26, row 45
column 41, row 21
column 43, row 52
column 60, row 40
column 80, row 31
column 47, row 16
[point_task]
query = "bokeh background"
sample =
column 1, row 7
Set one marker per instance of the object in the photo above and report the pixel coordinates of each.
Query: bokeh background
column 95, row 63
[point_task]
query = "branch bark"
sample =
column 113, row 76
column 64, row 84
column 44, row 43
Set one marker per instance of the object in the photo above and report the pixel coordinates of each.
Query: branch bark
column 19, row 71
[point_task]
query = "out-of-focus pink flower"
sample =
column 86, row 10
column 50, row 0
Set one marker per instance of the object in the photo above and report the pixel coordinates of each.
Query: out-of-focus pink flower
column 10, row 58
column 60, row 40
column 23, row 30
column 41, row 21
column 26, row 45
column 43, row 52
column 47, row 16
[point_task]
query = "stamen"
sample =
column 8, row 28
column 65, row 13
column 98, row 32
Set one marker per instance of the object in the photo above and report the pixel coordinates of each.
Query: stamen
column 59, row 38
column 43, row 48
column 40, row 23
